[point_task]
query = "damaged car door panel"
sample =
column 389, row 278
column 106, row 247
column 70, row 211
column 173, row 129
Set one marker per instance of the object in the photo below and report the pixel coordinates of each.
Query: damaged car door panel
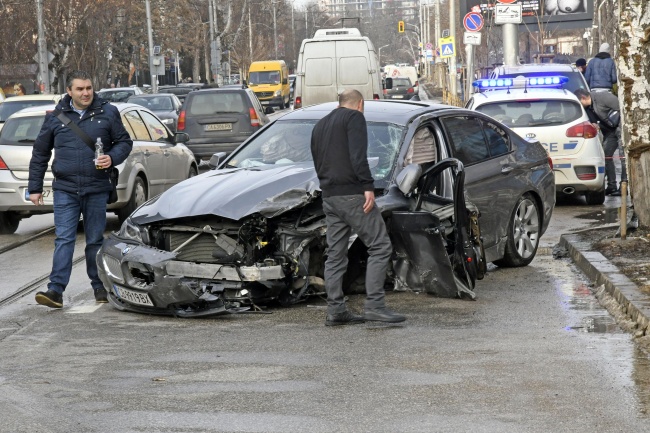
column 252, row 231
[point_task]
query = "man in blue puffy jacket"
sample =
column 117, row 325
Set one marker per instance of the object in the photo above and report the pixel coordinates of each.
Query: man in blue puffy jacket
column 601, row 70
column 81, row 184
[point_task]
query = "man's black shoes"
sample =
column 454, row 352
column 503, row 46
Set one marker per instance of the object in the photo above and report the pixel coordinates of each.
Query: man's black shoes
column 383, row 315
column 344, row 318
column 616, row 193
column 50, row 299
column 612, row 191
column 101, row 296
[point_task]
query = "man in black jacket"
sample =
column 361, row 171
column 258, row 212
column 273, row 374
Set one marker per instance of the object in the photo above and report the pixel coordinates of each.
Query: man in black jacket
column 598, row 106
column 81, row 184
column 339, row 146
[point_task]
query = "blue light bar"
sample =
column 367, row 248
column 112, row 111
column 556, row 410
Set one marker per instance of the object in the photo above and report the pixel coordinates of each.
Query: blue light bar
column 505, row 83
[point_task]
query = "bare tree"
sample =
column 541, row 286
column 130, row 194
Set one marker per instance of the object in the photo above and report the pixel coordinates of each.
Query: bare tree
column 634, row 96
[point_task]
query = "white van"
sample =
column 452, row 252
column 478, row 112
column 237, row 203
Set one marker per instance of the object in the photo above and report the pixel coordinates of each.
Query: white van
column 334, row 60
column 403, row 70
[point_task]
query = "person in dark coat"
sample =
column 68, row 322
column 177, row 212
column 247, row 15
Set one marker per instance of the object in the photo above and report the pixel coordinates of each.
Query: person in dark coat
column 581, row 64
column 598, row 105
column 339, row 146
column 601, row 70
column 81, row 183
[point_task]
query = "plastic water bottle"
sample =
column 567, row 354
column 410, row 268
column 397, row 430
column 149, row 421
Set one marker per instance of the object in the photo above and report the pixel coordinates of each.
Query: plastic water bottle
column 99, row 151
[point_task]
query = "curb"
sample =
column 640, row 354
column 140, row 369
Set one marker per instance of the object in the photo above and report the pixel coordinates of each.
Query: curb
column 634, row 304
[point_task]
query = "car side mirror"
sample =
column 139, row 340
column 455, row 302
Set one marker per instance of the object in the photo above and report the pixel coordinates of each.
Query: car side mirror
column 269, row 110
column 389, row 83
column 181, row 137
column 216, row 159
column 284, row 81
column 408, row 178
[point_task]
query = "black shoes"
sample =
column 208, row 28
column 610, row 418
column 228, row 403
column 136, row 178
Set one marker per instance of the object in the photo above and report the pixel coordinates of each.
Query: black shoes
column 612, row 191
column 101, row 296
column 616, row 193
column 384, row 315
column 345, row 318
column 50, row 299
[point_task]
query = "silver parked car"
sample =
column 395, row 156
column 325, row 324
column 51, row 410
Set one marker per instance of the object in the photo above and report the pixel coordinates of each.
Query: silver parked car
column 158, row 161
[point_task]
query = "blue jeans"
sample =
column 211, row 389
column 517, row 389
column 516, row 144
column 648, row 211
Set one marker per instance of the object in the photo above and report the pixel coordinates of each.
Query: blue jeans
column 67, row 208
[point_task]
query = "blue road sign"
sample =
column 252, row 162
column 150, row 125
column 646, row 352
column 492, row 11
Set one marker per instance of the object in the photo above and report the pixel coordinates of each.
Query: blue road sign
column 473, row 22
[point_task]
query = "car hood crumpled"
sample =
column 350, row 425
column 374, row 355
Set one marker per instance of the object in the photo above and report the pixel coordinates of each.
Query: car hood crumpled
column 235, row 193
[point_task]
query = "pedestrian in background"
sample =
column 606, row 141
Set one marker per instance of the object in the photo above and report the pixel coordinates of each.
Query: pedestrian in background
column 19, row 90
column 581, row 65
column 598, row 106
column 81, row 184
column 601, row 71
column 339, row 146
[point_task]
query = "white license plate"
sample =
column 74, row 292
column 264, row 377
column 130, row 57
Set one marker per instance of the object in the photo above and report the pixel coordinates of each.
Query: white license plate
column 48, row 196
column 131, row 296
column 398, row 96
column 218, row 127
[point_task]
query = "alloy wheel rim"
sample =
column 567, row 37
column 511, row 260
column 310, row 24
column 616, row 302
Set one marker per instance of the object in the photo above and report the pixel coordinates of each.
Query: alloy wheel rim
column 526, row 228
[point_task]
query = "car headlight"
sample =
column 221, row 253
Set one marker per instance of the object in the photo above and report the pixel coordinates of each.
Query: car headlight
column 168, row 121
column 133, row 232
column 277, row 93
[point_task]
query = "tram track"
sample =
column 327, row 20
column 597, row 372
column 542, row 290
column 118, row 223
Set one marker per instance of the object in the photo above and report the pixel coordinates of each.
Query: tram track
column 27, row 240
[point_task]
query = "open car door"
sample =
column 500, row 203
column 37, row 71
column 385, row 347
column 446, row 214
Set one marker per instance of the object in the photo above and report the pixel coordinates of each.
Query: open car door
column 437, row 244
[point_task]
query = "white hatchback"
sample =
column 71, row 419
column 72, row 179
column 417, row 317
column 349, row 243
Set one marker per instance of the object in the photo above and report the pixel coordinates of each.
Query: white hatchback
column 556, row 118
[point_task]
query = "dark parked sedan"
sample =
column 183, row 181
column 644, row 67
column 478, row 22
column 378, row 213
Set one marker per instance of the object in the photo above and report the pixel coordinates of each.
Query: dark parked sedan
column 165, row 105
column 252, row 231
column 402, row 89
column 219, row 120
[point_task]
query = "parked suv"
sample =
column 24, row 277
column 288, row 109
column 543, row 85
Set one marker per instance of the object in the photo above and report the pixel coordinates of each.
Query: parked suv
column 219, row 120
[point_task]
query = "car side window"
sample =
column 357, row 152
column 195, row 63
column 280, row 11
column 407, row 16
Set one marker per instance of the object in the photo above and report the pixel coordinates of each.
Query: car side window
column 128, row 128
column 497, row 138
column 138, row 127
column 156, row 128
column 467, row 139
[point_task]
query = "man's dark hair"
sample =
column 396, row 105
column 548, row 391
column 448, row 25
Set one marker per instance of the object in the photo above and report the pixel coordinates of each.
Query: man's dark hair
column 581, row 62
column 350, row 97
column 582, row 93
column 77, row 75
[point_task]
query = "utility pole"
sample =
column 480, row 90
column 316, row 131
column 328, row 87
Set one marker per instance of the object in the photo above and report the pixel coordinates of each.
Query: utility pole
column 250, row 34
column 154, row 77
column 42, row 49
column 275, row 31
column 213, row 45
column 452, row 59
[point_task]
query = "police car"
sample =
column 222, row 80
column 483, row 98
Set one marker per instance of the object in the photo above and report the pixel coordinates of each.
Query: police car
column 538, row 108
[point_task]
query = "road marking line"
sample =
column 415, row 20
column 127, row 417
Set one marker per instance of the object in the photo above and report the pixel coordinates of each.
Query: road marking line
column 83, row 309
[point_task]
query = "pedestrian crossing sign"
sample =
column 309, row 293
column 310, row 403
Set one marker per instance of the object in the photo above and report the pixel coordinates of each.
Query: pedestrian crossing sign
column 447, row 48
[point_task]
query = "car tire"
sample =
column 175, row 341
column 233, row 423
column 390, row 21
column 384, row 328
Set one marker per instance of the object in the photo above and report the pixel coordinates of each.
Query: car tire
column 595, row 197
column 138, row 196
column 8, row 223
column 193, row 172
column 523, row 234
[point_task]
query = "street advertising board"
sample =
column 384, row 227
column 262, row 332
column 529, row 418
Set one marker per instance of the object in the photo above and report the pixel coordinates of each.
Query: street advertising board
column 550, row 15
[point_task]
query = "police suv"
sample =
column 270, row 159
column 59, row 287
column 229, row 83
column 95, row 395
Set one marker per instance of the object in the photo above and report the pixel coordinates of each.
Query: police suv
column 538, row 108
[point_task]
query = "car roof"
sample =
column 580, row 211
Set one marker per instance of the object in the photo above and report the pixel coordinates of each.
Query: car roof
column 399, row 112
column 39, row 97
column 41, row 110
column 518, row 94
column 537, row 67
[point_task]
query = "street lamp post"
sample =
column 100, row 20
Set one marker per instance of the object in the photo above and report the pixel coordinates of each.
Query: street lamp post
column 275, row 31
column 383, row 46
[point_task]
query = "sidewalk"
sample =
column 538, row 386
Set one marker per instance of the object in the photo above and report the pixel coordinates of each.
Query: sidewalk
column 615, row 291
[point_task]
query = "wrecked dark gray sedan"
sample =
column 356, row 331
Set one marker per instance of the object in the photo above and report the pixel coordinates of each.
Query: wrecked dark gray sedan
column 251, row 231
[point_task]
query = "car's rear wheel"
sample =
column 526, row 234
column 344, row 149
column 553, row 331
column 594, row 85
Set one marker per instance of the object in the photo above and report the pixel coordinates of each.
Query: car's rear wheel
column 193, row 172
column 8, row 223
column 595, row 197
column 523, row 234
column 138, row 196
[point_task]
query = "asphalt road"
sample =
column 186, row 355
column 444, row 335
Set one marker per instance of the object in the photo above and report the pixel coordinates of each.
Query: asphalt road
column 534, row 353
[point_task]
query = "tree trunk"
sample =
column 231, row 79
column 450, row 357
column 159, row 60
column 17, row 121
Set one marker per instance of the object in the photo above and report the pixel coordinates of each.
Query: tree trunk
column 634, row 96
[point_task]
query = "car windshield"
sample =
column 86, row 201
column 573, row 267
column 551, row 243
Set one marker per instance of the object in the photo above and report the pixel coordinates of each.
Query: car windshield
column 401, row 82
column 547, row 112
column 206, row 103
column 288, row 142
column 158, row 103
column 21, row 131
column 576, row 80
column 116, row 95
column 265, row 77
column 9, row 107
